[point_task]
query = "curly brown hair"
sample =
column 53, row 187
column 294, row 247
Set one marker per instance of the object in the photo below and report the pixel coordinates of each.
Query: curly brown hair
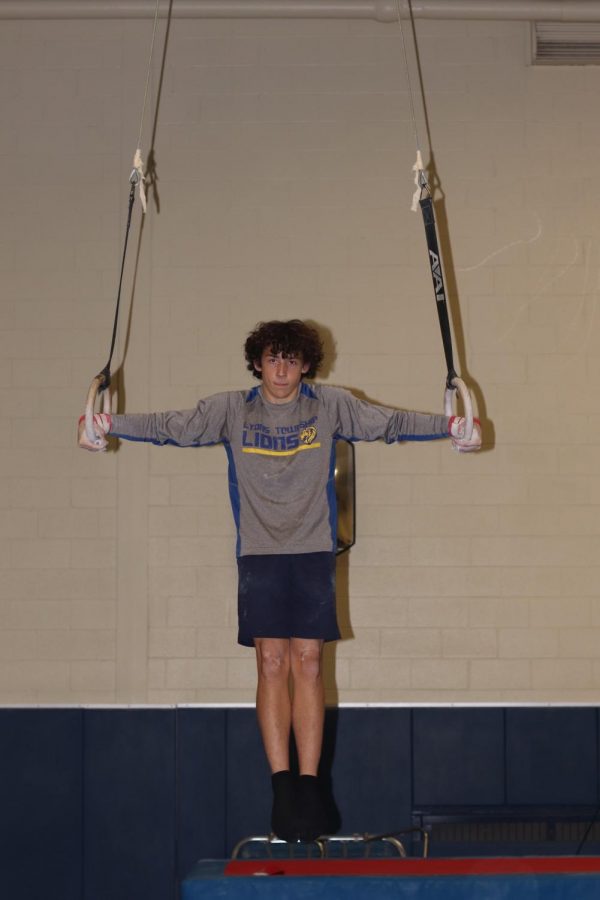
column 293, row 338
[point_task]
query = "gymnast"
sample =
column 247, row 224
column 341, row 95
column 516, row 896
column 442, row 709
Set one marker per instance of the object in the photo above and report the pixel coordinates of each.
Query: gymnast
column 280, row 440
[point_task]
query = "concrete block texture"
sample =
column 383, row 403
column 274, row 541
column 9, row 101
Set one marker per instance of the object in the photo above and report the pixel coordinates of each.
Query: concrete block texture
column 281, row 188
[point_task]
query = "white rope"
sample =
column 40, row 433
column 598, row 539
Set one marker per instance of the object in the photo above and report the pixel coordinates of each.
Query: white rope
column 407, row 68
column 418, row 170
column 137, row 176
column 420, row 176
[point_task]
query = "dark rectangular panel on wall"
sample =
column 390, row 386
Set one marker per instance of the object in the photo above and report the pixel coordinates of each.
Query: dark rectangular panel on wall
column 368, row 753
column 129, row 804
column 201, row 786
column 552, row 756
column 248, row 792
column 40, row 804
column 458, row 756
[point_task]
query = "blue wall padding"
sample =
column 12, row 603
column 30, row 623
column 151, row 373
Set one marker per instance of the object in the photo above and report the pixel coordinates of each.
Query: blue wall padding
column 248, row 779
column 201, row 742
column 117, row 804
column 552, row 755
column 458, row 756
column 371, row 768
column 129, row 804
column 41, row 804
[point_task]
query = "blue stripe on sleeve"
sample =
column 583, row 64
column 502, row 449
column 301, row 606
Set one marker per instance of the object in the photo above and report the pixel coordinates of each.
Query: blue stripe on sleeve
column 234, row 495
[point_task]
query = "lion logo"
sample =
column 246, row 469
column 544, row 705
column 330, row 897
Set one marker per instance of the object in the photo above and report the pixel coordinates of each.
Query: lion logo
column 308, row 434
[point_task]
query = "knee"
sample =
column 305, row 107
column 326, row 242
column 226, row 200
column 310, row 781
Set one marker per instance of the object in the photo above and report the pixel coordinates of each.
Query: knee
column 273, row 664
column 306, row 662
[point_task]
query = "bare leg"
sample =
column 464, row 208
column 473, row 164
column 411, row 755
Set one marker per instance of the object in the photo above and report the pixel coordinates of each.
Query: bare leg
column 273, row 704
column 308, row 705
column 308, row 710
column 273, row 707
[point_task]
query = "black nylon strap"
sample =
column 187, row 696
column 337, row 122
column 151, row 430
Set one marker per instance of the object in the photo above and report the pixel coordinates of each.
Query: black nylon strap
column 104, row 375
column 439, row 288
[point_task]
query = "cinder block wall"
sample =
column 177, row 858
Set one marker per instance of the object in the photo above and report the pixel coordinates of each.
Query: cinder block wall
column 283, row 159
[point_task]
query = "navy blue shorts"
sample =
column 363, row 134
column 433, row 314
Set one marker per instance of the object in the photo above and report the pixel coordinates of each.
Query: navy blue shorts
column 285, row 596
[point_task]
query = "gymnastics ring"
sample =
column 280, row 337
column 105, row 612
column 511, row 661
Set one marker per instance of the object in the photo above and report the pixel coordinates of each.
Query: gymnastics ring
column 100, row 383
column 458, row 386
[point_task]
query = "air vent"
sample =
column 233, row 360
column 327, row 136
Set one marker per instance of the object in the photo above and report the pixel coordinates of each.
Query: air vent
column 565, row 43
column 517, row 832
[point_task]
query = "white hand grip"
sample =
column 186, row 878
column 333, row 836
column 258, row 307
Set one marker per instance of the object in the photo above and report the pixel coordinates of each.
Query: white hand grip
column 465, row 395
column 89, row 409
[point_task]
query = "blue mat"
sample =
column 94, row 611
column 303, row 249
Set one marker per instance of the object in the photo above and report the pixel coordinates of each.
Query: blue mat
column 208, row 880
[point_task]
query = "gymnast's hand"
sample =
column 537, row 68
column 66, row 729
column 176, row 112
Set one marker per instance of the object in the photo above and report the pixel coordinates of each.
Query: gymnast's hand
column 456, row 430
column 102, row 425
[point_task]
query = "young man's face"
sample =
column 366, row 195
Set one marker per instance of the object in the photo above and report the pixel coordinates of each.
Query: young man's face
column 281, row 375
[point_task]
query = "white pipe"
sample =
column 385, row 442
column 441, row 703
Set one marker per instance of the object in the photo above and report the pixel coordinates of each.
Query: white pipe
column 525, row 10
column 380, row 10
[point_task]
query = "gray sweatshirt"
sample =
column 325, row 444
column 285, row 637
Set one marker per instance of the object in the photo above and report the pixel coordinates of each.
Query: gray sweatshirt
column 281, row 456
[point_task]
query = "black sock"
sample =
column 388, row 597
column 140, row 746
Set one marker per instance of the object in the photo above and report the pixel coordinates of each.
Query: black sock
column 283, row 816
column 313, row 816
